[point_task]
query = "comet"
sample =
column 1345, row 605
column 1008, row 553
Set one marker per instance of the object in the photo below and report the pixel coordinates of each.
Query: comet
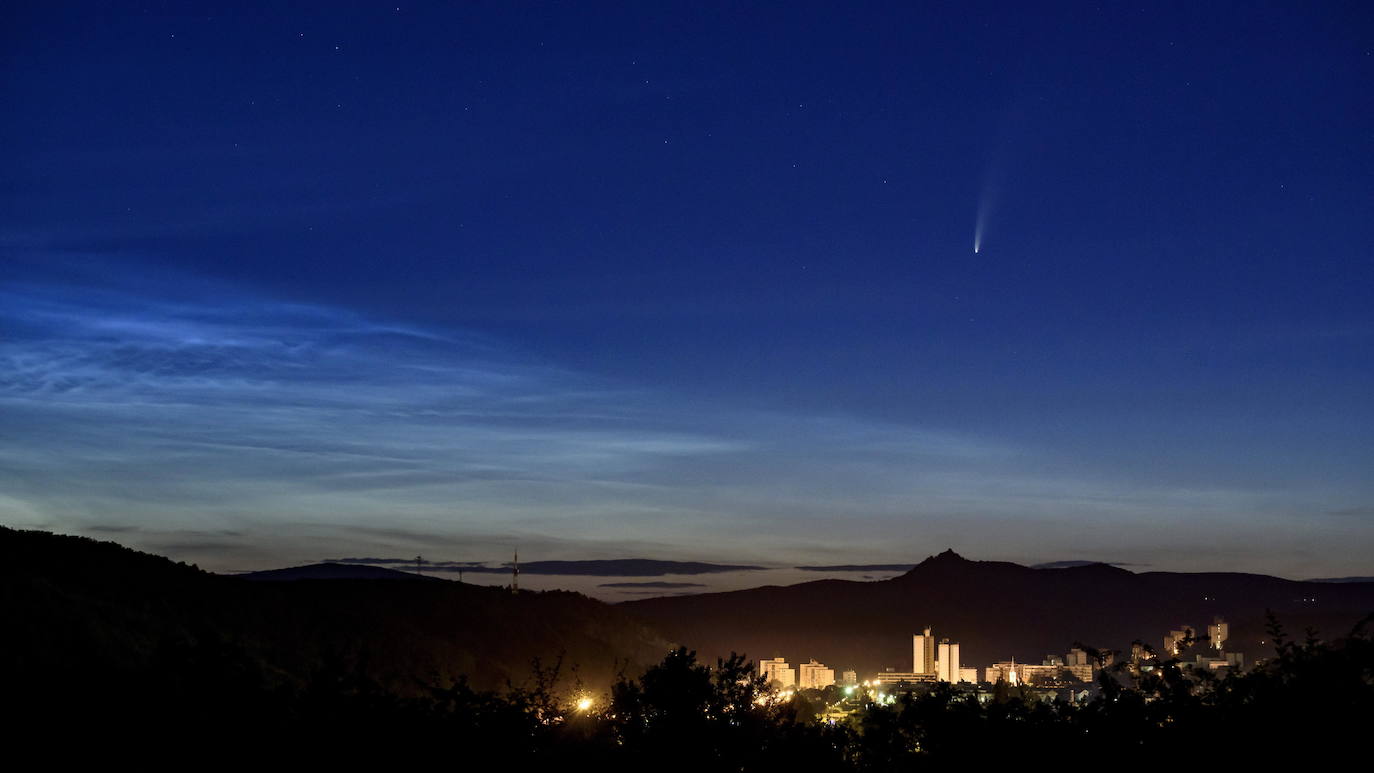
column 980, row 223
column 990, row 192
column 1007, row 141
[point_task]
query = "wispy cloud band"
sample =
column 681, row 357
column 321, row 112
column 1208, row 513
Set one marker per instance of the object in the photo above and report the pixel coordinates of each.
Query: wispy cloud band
column 242, row 432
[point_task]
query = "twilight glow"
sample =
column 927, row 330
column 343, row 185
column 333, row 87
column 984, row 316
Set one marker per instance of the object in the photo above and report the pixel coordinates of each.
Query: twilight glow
column 458, row 285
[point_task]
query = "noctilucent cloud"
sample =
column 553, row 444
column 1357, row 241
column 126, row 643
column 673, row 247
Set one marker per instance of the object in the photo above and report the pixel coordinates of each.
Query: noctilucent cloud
column 691, row 281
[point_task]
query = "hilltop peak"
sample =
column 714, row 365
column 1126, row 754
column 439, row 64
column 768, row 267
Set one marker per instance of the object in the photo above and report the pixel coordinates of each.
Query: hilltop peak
column 946, row 557
column 949, row 564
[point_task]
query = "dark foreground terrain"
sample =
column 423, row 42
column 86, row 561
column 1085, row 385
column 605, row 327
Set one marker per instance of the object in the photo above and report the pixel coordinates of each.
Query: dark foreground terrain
column 129, row 656
column 93, row 628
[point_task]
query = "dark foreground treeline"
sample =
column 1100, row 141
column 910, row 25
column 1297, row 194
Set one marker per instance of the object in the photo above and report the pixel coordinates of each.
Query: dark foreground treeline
column 1313, row 700
column 100, row 622
column 128, row 655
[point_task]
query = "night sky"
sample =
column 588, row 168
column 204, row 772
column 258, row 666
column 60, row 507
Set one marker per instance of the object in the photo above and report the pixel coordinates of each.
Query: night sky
column 692, row 281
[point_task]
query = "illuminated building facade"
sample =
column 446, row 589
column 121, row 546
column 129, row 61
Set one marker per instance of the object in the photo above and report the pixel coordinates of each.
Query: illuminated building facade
column 947, row 661
column 1173, row 641
column 898, row 678
column 923, row 653
column 814, row 675
column 778, row 673
column 1217, row 633
column 1026, row 673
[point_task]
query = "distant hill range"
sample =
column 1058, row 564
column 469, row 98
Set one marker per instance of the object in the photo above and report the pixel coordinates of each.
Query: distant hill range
column 332, row 571
column 1341, row 579
column 625, row 567
column 618, row 567
column 96, row 613
column 858, row 568
column 997, row 611
column 101, row 615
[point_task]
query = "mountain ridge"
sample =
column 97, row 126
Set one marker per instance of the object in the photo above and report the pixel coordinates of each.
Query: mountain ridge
column 597, row 567
column 996, row 610
column 100, row 612
column 330, row 570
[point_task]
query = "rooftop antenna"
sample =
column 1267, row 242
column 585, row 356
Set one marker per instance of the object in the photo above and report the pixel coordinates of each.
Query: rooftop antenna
column 515, row 573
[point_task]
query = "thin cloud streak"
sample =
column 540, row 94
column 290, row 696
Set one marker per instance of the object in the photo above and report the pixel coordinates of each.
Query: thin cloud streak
column 199, row 407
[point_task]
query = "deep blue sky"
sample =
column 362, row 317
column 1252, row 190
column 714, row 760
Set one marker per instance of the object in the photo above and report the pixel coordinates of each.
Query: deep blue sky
column 692, row 280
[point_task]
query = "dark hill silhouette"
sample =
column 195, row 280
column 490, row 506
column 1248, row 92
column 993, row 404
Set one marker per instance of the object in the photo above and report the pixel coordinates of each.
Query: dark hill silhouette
column 623, row 567
column 1070, row 564
column 995, row 610
column 1341, row 579
column 616, row 567
column 331, row 571
column 83, row 612
column 858, row 568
